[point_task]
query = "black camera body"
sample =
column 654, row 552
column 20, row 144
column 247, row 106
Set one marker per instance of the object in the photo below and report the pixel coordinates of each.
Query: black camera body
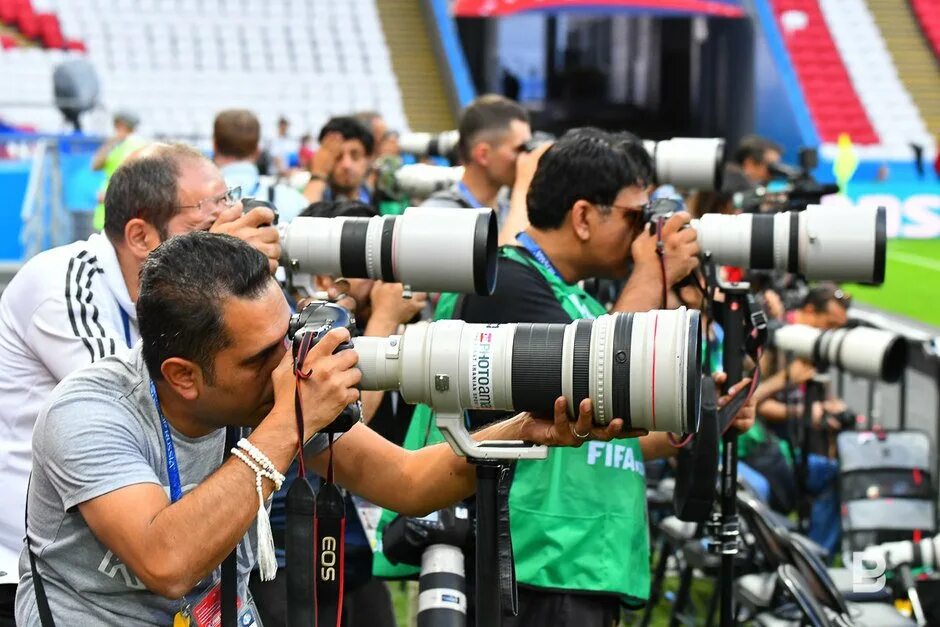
column 316, row 320
column 405, row 539
column 250, row 203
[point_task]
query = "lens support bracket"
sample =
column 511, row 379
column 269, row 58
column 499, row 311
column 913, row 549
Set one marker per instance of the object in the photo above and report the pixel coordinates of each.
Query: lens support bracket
column 454, row 429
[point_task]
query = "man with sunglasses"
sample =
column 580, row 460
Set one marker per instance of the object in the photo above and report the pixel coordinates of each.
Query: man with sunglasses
column 578, row 520
column 493, row 133
column 74, row 305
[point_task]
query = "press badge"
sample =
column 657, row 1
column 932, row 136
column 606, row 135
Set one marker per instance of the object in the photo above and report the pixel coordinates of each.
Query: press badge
column 207, row 611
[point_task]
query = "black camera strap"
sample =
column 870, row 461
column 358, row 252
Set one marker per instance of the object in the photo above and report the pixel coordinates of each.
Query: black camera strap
column 316, row 525
column 506, row 566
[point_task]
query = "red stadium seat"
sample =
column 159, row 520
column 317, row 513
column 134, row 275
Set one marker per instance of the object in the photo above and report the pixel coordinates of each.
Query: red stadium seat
column 832, row 100
column 928, row 14
column 7, row 42
column 28, row 22
column 49, row 30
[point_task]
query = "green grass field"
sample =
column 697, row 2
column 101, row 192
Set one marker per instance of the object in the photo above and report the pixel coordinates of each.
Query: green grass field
column 912, row 281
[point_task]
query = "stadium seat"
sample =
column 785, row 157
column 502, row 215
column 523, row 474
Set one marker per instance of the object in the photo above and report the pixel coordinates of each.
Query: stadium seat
column 928, row 15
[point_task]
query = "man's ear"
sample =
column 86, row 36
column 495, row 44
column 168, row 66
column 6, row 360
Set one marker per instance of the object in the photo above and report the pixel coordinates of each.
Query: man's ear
column 581, row 218
column 184, row 376
column 481, row 153
column 141, row 237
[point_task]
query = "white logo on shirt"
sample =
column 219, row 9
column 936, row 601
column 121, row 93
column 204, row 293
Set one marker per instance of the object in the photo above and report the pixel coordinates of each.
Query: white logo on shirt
column 112, row 567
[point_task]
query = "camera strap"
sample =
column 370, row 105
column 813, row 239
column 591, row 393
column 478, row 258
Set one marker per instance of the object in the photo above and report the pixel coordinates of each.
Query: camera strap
column 316, row 527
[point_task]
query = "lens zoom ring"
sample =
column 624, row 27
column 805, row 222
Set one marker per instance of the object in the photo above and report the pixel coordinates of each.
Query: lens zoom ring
column 536, row 366
column 620, row 371
column 580, row 374
column 601, row 411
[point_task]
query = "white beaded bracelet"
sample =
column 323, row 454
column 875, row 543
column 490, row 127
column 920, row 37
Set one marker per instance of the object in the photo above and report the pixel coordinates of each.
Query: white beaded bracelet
column 260, row 458
column 267, row 560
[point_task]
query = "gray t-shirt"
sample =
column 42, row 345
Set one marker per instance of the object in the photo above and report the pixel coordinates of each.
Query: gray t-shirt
column 101, row 432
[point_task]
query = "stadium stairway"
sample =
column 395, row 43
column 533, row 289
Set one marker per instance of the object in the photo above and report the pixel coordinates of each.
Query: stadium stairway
column 420, row 75
column 833, row 103
column 915, row 61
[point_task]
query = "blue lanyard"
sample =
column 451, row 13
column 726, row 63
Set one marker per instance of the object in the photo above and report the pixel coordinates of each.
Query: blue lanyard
column 172, row 468
column 476, row 204
column 536, row 251
column 364, row 196
column 127, row 325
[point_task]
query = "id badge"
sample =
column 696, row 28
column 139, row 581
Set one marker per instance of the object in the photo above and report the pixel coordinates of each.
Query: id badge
column 369, row 516
column 207, row 611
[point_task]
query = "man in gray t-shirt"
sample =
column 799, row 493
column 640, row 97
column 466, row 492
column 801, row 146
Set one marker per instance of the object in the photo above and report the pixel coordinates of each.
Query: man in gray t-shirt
column 102, row 433
column 111, row 547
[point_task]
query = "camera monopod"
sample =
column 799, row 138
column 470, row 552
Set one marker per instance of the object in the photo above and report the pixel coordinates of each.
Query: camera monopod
column 496, row 592
column 745, row 331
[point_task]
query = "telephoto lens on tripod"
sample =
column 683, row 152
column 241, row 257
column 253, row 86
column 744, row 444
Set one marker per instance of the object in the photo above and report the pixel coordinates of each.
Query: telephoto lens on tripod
column 430, row 144
column 641, row 367
column 861, row 351
column 430, row 249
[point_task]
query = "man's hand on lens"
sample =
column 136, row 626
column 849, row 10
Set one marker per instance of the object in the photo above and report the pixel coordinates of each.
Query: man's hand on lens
column 327, row 155
column 744, row 419
column 253, row 227
column 680, row 248
column 332, row 383
column 561, row 431
column 389, row 305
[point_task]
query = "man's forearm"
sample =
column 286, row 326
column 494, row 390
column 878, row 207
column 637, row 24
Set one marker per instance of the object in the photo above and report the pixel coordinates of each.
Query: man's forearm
column 643, row 291
column 195, row 534
column 315, row 190
column 656, row 446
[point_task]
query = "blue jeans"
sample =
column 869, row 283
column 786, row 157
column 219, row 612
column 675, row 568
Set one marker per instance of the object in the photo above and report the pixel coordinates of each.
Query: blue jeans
column 825, row 522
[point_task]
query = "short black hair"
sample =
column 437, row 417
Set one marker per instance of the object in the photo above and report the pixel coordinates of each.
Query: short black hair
column 819, row 296
column 585, row 164
column 350, row 128
column 754, row 147
column 146, row 186
column 183, row 285
column 486, row 114
column 339, row 208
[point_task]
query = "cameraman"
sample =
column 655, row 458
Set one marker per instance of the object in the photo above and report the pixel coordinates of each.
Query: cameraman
column 340, row 166
column 753, row 159
column 379, row 309
column 74, row 305
column 493, row 131
column 579, row 527
column 132, row 510
column 769, row 447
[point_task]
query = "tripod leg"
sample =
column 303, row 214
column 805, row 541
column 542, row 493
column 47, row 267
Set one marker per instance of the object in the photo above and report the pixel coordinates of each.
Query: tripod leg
column 656, row 586
column 682, row 596
column 713, row 602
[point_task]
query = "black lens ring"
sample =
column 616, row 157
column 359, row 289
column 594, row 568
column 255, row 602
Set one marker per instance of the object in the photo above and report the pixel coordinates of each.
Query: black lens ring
column 762, row 242
column 387, row 243
column 693, row 397
column 537, row 353
column 352, row 248
column 581, row 362
column 620, row 371
column 793, row 254
column 485, row 244
column 881, row 242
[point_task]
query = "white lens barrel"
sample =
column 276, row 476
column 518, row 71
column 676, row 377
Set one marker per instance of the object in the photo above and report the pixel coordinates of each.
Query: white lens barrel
column 821, row 243
column 688, row 162
column 428, row 249
column 861, row 351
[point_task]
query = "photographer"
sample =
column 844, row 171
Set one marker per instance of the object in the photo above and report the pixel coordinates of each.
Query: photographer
column 74, row 305
column 109, row 544
column 579, row 525
column 236, row 134
column 769, row 447
column 751, row 165
column 379, row 309
column 340, row 166
column 493, row 133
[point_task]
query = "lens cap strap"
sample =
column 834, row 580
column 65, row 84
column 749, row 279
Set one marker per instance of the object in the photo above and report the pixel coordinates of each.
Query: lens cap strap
column 661, row 252
column 506, row 567
column 329, row 530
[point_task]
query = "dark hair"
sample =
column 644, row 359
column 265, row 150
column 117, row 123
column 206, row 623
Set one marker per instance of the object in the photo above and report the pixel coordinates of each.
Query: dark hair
column 819, row 297
column 754, row 147
column 339, row 208
column 350, row 128
column 704, row 202
column 183, row 286
column 585, row 164
column 236, row 133
column 146, row 186
column 487, row 114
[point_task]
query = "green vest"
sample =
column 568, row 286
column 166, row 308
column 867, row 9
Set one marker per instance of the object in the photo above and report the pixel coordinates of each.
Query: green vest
column 578, row 519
